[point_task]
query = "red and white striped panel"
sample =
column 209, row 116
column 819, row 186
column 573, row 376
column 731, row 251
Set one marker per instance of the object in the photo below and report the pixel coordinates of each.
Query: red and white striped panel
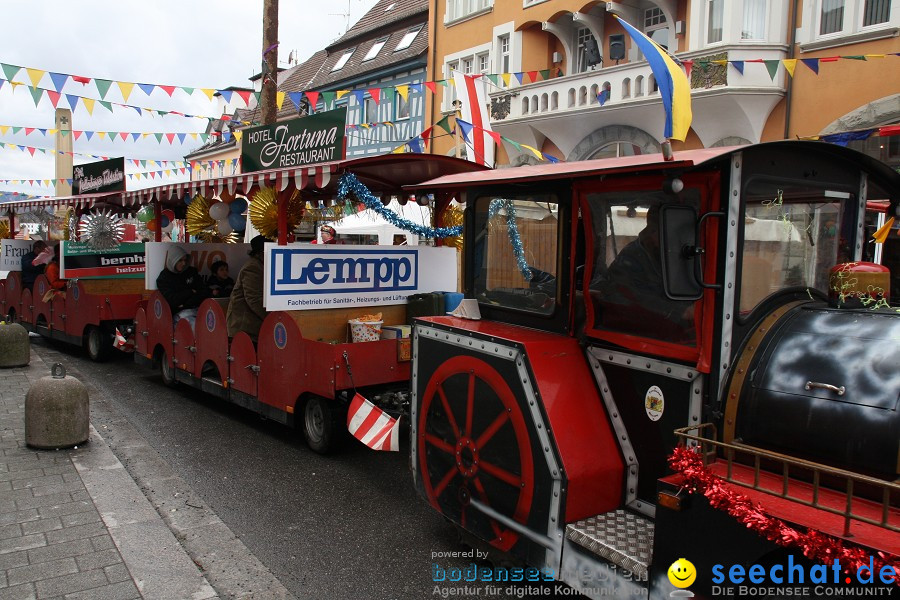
column 372, row 426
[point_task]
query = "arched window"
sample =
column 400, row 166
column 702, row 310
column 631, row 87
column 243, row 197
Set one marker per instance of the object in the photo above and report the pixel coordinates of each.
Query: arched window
column 582, row 96
column 544, row 102
column 626, row 88
column 525, row 105
column 534, row 103
column 571, row 97
column 554, row 101
column 638, row 86
column 595, row 89
column 652, row 88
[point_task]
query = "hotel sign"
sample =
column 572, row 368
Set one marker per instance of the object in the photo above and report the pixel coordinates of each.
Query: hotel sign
column 318, row 138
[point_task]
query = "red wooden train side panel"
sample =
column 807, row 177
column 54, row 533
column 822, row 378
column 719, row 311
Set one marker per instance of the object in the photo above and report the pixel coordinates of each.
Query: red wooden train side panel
column 183, row 347
column 27, row 308
column 14, row 292
column 372, row 363
column 284, row 361
column 117, row 307
column 2, row 297
column 141, row 334
column 159, row 324
column 243, row 363
column 58, row 312
column 41, row 309
column 212, row 337
column 81, row 310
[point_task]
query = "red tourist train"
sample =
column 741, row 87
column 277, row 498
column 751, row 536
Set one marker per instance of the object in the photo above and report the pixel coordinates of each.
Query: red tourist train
column 651, row 347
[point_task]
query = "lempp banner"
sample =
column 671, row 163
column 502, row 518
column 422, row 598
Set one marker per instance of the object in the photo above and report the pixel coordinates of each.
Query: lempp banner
column 304, row 276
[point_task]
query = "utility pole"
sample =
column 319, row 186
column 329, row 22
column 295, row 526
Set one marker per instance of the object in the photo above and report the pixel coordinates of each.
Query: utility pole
column 269, row 61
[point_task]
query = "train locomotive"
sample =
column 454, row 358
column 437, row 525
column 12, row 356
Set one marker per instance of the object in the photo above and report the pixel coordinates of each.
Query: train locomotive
column 636, row 308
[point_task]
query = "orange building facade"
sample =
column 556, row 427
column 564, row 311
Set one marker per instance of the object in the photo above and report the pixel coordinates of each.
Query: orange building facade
column 563, row 77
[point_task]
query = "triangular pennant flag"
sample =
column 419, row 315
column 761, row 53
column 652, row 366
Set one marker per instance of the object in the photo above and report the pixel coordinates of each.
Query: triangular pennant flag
column 505, row 78
column 444, row 124
column 789, row 65
column 313, row 98
column 296, row 97
column 376, row 95
column 812, row 63
column 123, row 135
column 36, row 94
column 342, row 93
column 545, row 74
column 209, row 93
column 72, row 100
column 103, row 86
column 245, row 96
column 147, row 88
column 360, row 96
column 519, row 77
column 238, row 135
column 4, row 129
column 226, row 95
column 81, row 80
column 493, row 78
column 403, row 90
column 137, row 109
column 187, row 90
column 59, row 80
column 28, row 130
column 101, row 134
column 494, row 136
column 54, row 97
column 105, row 104
column 881, row 235
column 772, row 67
column 181, row 137
column 170, row 89
column 77, row 133
column 415, row 145
column 830, row 59
column 10, row 71
column 16, row 129
column 855, row 57
column 89, row 134
column 532, row 76
column 35, row 75
column 279, row 99
column 738, row 65
column 170, row 137
column 875, row 56
column 158, row 137
column 388, row 94
column 135, row 137
column 465, row 127
column 514, row 143
column 416, row 87
column 328, row 99
column 431, row 86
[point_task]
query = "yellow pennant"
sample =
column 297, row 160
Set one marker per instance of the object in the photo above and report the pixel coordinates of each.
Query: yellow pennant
column 534, row 151
column 209, row 93
column 789, row 65
column 881, row 235
column 505, row 77
column 88, row 104
column 875, row 55
column 125, row 88
column 403, row 90
column 341, row 93
column 279, row 99
column 35, row 76
column 4, row 129
column 238, row 135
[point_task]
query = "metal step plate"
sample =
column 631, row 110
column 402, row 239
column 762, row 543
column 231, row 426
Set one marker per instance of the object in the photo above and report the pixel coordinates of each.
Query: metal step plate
column 621, row 537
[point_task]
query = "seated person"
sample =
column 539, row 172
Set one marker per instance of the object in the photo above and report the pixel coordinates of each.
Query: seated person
column 329, row 235
column 57, row 285
column 218, row 282
column 31, row 266
column 245, row 310
column 181, row 286
column 630, row 294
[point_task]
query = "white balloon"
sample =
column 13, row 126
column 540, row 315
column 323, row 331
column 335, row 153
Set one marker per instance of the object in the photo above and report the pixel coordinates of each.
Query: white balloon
column 224, row 226
column 169, row 227
column 219, row 211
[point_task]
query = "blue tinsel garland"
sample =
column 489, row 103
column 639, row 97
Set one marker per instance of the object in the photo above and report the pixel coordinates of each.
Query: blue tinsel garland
column 350, row 187
column 512, row 230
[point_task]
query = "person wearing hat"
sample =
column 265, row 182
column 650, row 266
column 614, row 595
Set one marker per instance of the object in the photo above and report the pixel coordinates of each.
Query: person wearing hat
column 328, row 235
column 245, row 309
column 181, row 285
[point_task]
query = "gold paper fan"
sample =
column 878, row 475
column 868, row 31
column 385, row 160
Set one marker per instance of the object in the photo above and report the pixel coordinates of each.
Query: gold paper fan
column 453, row 216
column 198, row 219
column 4, row 230
column 70, row 225
column 264, row 212
column 212, row 236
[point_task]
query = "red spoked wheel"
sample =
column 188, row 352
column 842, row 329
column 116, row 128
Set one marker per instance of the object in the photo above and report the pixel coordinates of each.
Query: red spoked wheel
column 473, row 442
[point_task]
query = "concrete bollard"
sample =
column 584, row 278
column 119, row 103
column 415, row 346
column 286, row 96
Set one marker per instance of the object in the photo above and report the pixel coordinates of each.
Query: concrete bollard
column 15, row 349
column 57, row 413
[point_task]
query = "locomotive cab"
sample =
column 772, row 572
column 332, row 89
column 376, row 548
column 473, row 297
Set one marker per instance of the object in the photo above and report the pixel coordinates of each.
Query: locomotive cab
column 623, row 302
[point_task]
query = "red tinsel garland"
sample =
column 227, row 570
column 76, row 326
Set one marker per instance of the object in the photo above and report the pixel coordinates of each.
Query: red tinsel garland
column 815, row 545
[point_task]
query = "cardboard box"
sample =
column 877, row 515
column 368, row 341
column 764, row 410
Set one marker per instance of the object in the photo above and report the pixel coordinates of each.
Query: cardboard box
column 395, row 332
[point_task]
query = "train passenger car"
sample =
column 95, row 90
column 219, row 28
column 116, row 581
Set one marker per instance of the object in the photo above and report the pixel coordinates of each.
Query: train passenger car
column 637, row 310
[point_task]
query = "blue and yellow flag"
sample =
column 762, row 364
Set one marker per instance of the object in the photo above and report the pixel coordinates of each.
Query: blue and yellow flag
column 674, row 87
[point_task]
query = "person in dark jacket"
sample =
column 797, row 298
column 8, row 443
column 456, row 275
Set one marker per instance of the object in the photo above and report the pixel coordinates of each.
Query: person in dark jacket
column 181, row 285
column 30, row 270
column 245, row 310
column 218, row 282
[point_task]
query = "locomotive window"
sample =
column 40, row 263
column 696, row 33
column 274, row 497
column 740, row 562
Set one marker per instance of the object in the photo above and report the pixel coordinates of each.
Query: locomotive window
column 791, row 242
column 516, row 252
column 626, row 285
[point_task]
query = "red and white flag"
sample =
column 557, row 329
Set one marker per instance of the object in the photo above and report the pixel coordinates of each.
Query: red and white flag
column 123, row 344
column 470, row 91
column 372, row 426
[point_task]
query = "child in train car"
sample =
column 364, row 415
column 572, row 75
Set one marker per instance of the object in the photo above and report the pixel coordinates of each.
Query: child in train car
column 181, row 285
column 51, row 272
column 220, row 284
column 245, row 309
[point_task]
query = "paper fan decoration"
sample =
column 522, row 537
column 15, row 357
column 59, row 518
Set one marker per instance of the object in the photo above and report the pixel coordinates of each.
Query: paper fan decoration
column 70, row 226
column 264, row 212
column 102, row 231
column 212, row 236
column 198, row 218
column 453, row 217
column 4, row 230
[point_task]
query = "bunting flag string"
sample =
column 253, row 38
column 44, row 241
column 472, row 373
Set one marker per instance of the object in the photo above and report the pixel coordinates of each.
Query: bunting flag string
column 32, row 150
column 111, row 135
column 160, row 174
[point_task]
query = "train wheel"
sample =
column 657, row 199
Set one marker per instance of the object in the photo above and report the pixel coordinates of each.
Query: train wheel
column 323, row 424
column 96, row 344
column 167, row 369
column 473, row 444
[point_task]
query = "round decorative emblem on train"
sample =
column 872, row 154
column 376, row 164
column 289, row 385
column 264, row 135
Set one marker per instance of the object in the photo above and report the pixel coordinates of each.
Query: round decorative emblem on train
column 75, row 292
column 41, row 288
column 11, row 283
column 157, row 308
column 280, row 335
column 654, row 403
column 210, row 320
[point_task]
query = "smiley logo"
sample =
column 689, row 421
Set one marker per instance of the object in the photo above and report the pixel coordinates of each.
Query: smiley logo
column 682, row 573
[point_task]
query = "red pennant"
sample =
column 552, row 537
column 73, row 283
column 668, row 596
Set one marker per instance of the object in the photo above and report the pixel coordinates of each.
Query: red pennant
column 830, row 59
column 30, row 149
column 245, row 95
column 376, row 94
column 494, row 135
column 82, row 80
column 123, row 135
column 313, row 99
column 28, row 130
column 54, row 97
column 170, row 137
column 167, row 89
column 431, row 86
column 77, row 133
column 532, row 75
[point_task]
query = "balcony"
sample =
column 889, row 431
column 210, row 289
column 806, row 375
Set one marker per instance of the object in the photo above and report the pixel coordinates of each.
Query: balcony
column 727, row 106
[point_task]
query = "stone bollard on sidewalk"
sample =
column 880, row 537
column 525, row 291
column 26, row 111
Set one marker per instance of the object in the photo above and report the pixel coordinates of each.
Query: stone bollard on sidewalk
column 57, row 413
column 15, row 348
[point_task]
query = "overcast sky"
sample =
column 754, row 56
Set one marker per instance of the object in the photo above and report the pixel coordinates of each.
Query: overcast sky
column 191, row 43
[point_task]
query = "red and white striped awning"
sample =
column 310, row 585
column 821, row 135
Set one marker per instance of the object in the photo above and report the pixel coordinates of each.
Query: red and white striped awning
column 318, row 176
column 83, row 201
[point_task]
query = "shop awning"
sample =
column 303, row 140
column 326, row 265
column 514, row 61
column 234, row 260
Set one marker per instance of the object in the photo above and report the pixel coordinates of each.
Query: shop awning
column 83, row 201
